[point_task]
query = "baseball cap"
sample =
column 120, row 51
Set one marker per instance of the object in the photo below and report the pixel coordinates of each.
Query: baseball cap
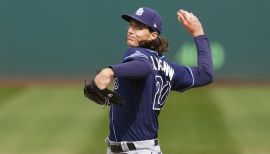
column 146, row 16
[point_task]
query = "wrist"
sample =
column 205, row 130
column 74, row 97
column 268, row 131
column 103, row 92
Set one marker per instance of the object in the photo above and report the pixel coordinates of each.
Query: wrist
column 195, row 34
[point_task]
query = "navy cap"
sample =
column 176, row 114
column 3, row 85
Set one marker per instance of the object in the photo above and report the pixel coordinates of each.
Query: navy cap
column 146, row 16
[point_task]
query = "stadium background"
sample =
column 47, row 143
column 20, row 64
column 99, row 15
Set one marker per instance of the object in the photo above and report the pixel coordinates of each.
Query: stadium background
column 54, row 45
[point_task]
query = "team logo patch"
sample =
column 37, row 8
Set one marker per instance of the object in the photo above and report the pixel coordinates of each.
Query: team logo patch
column 139, row 12
column 116, row 84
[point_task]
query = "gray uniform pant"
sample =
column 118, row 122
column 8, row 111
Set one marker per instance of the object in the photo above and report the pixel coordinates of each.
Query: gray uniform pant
column 142, row 147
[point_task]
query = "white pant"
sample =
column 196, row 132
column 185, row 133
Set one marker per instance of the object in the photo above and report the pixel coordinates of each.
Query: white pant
column 146, row 151
column 142, row 147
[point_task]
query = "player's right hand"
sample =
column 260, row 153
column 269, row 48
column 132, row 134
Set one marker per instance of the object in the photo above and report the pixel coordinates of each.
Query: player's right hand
column 190, row 22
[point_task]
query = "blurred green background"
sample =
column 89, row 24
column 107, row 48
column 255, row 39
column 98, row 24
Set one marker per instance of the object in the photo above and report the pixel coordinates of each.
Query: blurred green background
column 47, row 49
column 67, row 38
column 59, row 120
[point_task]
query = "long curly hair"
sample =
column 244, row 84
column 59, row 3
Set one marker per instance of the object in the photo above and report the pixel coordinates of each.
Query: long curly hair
column 160, row 44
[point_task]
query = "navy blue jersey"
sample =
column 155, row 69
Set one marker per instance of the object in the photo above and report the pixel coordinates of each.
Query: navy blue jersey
column 144, row 79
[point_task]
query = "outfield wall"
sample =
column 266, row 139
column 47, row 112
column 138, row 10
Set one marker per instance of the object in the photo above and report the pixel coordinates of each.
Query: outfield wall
column 73, row 38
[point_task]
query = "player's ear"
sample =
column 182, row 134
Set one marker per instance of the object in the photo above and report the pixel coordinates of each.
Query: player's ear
column 153, row 35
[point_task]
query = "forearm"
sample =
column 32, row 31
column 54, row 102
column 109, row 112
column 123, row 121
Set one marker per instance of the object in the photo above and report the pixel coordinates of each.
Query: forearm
column 203, row 74
column 204, row 53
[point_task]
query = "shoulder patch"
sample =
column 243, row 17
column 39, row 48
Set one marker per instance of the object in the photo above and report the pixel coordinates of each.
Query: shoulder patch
column 136, row 54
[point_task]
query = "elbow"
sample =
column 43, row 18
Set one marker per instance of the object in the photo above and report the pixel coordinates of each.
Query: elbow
column 208, row 75
column 203, row 77
column 209, row 78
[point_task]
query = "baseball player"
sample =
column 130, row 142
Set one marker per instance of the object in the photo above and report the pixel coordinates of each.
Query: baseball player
column 145, row 77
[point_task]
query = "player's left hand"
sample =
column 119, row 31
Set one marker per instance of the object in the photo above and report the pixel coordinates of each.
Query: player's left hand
column 104, row 78
column 190, row 22
column 101, row 97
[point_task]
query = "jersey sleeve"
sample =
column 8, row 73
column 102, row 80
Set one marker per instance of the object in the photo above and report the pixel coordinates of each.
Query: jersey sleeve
column 183, row 78
column 135, row 65
column 204, row 72
column 188, row 77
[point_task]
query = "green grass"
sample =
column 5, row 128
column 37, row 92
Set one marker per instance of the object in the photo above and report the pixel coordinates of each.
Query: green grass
column 59, row 120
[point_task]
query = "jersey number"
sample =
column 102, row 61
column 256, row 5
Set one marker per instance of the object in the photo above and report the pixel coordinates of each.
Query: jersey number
column 162, row 91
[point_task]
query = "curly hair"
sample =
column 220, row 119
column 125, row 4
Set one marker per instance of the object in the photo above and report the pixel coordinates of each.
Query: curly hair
column 160, row 44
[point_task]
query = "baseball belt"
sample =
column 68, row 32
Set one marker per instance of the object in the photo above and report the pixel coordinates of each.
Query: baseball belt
column 123, row 146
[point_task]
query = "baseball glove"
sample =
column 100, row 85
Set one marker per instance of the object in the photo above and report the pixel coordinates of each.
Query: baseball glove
column 101, row 97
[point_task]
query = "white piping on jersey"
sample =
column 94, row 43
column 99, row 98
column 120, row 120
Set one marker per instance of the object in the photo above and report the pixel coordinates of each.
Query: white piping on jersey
column 136, row 54
column 155, row 53
column 113, row 125
column 193, row 80
column 152, row 51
